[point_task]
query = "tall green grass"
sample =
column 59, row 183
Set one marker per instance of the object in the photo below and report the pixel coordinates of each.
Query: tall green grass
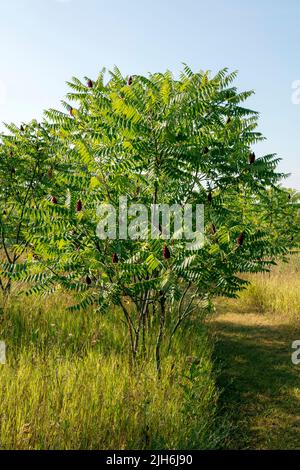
column 67, row 384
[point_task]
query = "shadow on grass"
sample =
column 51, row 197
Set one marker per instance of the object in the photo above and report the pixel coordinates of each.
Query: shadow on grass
column 260, row 385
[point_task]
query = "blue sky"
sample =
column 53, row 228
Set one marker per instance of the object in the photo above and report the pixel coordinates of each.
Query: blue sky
column 43, row 43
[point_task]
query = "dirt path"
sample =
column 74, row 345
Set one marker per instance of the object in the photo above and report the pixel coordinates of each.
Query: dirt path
column 261, row 386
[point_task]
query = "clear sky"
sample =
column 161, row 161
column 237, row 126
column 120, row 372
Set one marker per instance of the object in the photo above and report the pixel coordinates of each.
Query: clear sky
column 43, row 43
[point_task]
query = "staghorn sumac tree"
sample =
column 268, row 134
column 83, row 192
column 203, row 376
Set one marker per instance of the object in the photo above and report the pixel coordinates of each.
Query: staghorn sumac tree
column 27, row 162
column 280, row 215
column 166, row 140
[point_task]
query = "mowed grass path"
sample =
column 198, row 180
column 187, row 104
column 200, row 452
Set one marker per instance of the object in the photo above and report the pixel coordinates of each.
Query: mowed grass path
column 260, row 385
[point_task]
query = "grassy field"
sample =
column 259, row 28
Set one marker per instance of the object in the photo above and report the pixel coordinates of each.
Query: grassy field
column 67, row 384
column 228, row 383
column 261, row 386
